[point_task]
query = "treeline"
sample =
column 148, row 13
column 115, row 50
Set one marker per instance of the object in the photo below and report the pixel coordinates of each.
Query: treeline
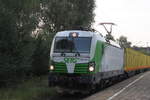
column 26, row 31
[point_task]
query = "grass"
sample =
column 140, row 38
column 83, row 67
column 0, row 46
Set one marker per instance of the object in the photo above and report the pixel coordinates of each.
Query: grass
column 33, row 89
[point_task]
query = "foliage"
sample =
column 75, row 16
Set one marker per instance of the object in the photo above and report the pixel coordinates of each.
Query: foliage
column 32, row 89
column 41, row 54
column 123, row 42
column 67, row 14
column 17, row 21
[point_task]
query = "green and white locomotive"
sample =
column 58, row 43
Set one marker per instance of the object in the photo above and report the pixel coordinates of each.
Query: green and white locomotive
column 82, row 60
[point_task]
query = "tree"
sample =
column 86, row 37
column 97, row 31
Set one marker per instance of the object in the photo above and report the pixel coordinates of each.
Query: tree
column 59, row 15
column 123, row 42
column 41, row 54
column 18, row 19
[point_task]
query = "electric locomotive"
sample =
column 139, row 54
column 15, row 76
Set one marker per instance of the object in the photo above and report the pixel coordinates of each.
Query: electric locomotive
column 80, row 60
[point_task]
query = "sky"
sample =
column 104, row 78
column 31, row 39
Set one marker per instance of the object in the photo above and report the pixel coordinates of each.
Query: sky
column 132, row 19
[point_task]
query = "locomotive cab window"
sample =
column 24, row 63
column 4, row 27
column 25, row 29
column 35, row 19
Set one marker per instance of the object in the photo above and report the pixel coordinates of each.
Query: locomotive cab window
column 72, row 45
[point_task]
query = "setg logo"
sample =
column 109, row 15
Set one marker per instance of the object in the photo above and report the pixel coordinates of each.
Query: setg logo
column 70, row 60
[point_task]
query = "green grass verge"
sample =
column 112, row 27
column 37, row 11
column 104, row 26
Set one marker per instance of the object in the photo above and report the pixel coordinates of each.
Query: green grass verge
column 33, row 89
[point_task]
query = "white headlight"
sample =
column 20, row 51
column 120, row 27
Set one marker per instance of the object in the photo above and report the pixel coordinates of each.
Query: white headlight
column 51, row 67
column 91, row 68
column 74, row 34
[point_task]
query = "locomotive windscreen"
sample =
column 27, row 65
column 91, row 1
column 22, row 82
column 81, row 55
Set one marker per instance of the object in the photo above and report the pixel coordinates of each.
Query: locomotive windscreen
column 72, row 45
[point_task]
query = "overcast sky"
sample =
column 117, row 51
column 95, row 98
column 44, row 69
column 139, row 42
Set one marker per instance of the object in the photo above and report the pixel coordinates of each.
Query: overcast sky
column 131, row 16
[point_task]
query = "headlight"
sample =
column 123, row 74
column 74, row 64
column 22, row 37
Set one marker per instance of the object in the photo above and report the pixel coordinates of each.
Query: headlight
column 51, row 67
column 91, row 66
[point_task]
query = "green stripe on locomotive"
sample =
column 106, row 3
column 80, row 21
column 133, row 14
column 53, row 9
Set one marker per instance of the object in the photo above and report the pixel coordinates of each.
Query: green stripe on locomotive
column 79, row 68
column 98, row 55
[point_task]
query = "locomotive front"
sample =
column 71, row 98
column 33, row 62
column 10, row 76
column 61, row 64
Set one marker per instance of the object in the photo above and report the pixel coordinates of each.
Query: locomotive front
column 70, row 65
